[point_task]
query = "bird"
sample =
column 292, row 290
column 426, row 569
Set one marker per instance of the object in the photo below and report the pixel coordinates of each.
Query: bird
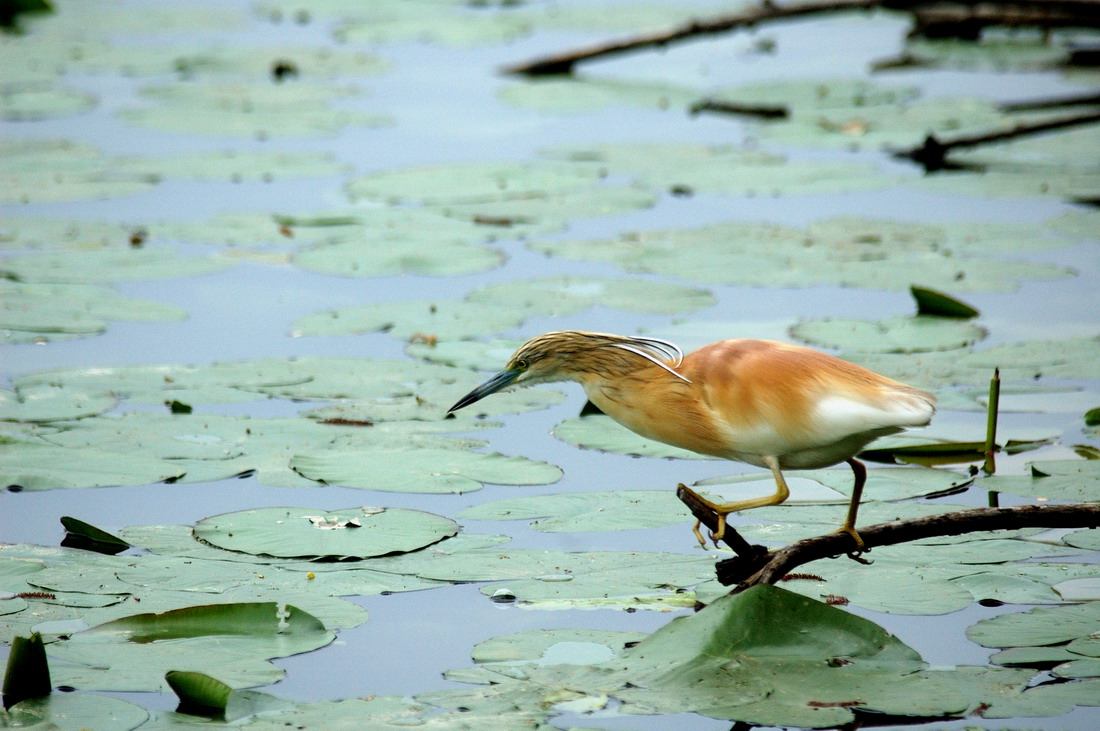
column 766, row 403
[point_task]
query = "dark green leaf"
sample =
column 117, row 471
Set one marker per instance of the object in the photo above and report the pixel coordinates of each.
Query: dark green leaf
column 28, row 671
column 932, row 302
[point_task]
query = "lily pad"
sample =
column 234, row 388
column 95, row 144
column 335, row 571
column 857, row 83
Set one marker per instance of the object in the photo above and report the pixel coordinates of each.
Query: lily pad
column 50, row 171
column 474, row 183
column 578, row 95
column 232, row 640
column 851, row 252
column 920, row 333
column 605, row 434
column 557, row 296
column 311, row 533
column 422, row 470
column 38, row 100
column 723, row 170
column 38, row 466
column 111, row 266
column 587, row 511
column 392, row 256
column 1040, row 626
column 259, row 111
column 35, row 312
column 51, row 403
column 75, row 711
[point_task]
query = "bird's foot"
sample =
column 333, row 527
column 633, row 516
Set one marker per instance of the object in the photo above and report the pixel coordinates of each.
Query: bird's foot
column 861, row 548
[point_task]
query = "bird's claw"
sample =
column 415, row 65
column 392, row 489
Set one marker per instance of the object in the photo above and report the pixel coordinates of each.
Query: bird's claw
column 861, row 547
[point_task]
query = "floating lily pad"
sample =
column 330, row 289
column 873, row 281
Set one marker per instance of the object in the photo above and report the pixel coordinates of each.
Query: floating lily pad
column 919, row 333
column 249, row 110
column 76, row 710
column 449, row 24
column 235, row 166
column 37, row 312
column 605, row 434
column 372, row 258
column 50, row 403
column 422, row 470
column 724, row 170
column 853, row 252
column 311, row 533
column 556, row 296
column 1040, row 626
column 49, row 171
column 231, row 640
column 525, row 216
column 780, row 641
column 474, row 183
column 203, row 448
column 111, row 266
column 586, row 511
column 29, row 100
column 576, row 95
column 37, row 466
column 446, row 319
column 323, row 379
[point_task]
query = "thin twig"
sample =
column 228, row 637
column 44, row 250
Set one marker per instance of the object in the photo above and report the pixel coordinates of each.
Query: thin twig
column 780, row 562
column 932, row 155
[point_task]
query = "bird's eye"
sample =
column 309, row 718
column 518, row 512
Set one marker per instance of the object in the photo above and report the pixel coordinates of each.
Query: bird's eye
column 521, row 364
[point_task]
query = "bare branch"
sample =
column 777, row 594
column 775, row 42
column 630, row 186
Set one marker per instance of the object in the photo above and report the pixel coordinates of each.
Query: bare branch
column 773, row 566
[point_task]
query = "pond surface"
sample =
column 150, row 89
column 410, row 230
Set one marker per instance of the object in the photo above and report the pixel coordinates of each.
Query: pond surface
column 372, row 94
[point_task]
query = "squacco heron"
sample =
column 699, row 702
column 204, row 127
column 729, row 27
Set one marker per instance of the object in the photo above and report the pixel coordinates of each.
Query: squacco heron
column 766, row 403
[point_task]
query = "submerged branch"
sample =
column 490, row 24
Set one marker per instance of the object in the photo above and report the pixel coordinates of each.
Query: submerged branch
column 932, row 154
column 773, row 566
column 941, row 18
column 563, row 63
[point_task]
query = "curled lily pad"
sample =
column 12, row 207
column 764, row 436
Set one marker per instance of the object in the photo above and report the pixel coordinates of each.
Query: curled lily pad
column 308, row 533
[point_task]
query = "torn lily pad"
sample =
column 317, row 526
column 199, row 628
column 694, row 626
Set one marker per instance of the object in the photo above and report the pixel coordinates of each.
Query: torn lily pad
column 340, row 534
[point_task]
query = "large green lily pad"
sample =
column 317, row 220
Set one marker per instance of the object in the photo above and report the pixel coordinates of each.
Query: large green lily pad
column 919, row 333
column 232, row 641
column 586, row 511
column 311, row 533
column 262, row 110
column 851, row 252
column 34, row 312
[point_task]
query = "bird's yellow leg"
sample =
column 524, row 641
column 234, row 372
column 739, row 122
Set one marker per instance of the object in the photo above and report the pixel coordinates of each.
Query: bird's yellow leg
column 849, row 526
column 724, row 509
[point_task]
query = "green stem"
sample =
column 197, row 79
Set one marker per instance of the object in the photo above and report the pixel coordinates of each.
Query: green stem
column 991, row 421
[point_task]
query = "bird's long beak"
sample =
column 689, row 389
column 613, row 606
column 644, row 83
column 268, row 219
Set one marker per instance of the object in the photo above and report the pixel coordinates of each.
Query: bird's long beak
column 501, row 380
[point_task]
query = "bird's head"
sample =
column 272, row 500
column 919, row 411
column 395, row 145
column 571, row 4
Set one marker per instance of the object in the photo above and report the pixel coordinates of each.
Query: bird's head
column 564, row 356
